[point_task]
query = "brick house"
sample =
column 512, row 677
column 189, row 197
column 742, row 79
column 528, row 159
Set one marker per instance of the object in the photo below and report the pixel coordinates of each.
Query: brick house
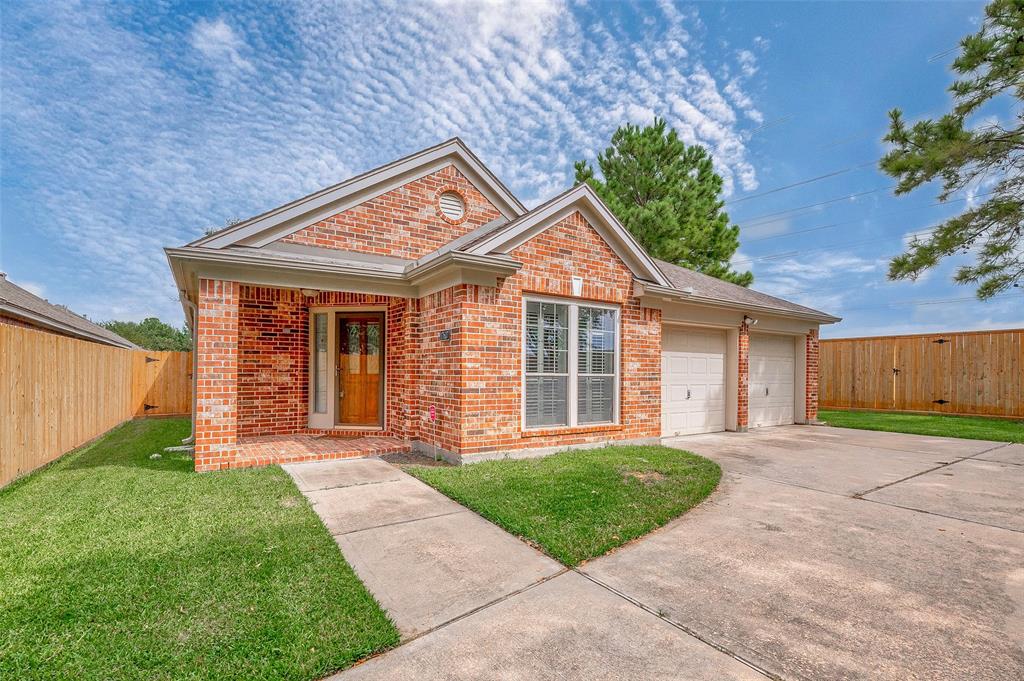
column 421, row 305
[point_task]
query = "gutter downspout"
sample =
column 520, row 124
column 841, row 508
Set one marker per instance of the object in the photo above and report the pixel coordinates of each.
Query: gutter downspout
column 194, row 314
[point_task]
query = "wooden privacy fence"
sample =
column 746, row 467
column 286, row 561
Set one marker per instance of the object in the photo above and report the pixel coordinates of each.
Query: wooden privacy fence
column 57, row 393
column 971, row 372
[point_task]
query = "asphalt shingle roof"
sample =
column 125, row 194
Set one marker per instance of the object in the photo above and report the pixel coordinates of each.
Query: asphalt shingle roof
column 18, row 302
column 711, row 287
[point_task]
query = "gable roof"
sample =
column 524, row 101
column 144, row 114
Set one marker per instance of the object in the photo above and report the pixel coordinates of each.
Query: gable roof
column 291, row 217
column 702, row 286
column 17, row 302
column 580, row 198
column 253, row 243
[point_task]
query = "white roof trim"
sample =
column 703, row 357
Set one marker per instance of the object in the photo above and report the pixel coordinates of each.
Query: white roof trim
column 584, row 199
column 291, row 217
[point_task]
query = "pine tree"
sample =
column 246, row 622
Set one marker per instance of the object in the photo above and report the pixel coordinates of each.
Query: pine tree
column 988, row 159
column 667, row 194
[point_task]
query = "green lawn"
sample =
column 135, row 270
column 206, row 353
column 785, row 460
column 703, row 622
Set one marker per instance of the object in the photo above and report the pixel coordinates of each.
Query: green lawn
column 579, row 504
column 969, row 427
column 116, row 566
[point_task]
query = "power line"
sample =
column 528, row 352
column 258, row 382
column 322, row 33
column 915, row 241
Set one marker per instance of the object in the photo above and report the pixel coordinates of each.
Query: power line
column 753, row 222
column 832, row 247
column 928, row 302
column 771, row 124
column 856, row 220
column 801, row 183
column 942, row 54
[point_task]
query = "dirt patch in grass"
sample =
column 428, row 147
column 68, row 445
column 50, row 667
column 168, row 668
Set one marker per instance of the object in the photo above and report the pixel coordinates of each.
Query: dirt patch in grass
column 646, row 477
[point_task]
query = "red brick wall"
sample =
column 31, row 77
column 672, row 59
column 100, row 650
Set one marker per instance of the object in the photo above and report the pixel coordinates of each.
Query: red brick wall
column 440, row 366
column 492, row 343
column 811, row 395
column 21, row 323
column 254, row 345
column 743, row 379
column 273, row 360
column 403, row 223
column 273, row 365
column 216, row 415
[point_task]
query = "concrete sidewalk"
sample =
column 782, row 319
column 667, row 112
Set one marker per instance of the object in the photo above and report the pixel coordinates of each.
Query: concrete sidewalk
column 425, row 558
column 471, row 601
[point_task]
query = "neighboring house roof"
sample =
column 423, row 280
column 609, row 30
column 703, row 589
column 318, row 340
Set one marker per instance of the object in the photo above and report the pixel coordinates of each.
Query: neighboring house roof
column 291, row 217
column 702, row 286
column 17, row 302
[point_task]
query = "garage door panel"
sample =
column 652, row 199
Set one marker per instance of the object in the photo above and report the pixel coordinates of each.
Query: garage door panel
column 772, row 390
column 693, row 377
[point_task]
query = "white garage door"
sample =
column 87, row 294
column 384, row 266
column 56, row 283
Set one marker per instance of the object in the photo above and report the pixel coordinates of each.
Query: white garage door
column 772, row 362
column 692, row 381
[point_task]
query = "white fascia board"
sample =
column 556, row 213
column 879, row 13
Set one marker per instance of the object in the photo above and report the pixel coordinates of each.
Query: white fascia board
column 650, row 296
column 584, row 199
column 188, row 265
column 291, row 217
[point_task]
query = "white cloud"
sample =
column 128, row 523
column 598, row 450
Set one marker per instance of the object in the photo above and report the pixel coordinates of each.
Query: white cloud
column 217, row 41
column 747, row 61
column 140, row 142
column 32, row 287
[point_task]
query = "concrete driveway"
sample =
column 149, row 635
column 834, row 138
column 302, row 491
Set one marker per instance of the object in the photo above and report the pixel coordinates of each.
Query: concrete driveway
column 831, row 553
column 826, row 553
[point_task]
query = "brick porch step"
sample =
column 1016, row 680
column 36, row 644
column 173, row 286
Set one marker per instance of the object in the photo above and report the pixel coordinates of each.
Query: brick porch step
column 275, row 449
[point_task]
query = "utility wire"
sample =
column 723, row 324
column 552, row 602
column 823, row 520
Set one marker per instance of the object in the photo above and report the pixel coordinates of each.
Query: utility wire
column 801, row 183
column 832, row 247
column 856, row 220
column 929, row 302
column 760, row 219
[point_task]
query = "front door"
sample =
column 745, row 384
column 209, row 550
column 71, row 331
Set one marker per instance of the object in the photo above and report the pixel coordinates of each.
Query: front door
column 361, row 369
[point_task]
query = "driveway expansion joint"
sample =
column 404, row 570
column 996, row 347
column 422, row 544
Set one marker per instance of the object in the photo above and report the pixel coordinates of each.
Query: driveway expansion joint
column 681, row 627
column 861, row 495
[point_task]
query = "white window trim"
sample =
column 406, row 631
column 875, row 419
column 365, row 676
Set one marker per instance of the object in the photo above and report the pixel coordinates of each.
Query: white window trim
column 572, row 394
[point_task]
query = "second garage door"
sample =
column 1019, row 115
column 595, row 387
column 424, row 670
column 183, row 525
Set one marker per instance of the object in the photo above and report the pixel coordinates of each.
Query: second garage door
column 693, row 381
column 772, row 362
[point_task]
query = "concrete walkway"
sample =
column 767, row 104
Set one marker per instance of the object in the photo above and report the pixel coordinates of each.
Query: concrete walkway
column 426, row 559
column 471, row 601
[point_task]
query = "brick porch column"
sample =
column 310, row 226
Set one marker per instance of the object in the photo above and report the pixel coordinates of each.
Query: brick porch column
column 811, row 391
column 743, row 378
column 217, row 374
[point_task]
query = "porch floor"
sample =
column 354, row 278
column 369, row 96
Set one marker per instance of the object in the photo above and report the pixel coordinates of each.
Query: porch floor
column 271, row 449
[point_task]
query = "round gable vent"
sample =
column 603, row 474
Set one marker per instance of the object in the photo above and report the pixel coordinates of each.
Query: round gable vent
column 452, row 206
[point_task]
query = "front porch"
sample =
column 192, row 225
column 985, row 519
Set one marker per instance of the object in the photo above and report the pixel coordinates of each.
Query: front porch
column 298, row 448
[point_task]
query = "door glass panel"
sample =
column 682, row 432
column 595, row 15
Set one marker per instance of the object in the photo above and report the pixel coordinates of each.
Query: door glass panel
column 352, row 350
column 320, row 363
column 373, row 348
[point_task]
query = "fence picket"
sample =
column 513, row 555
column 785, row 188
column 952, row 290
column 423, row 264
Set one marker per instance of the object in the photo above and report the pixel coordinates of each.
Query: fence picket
column 57, row 393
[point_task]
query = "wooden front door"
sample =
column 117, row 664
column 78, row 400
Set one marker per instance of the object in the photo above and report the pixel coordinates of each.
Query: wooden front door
column 361, row 369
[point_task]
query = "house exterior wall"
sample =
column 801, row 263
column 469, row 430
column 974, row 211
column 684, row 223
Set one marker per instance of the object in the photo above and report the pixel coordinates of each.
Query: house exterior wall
column 22, row 324
column 273, row 362
column 812, row 345
column 404, row 222
column 216, row 417
column 492, row 337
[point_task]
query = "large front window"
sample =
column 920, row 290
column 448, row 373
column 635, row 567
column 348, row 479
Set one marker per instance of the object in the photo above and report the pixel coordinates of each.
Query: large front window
column 571, row 364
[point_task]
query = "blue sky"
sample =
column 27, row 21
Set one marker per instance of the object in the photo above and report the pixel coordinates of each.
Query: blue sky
column 131, row 126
